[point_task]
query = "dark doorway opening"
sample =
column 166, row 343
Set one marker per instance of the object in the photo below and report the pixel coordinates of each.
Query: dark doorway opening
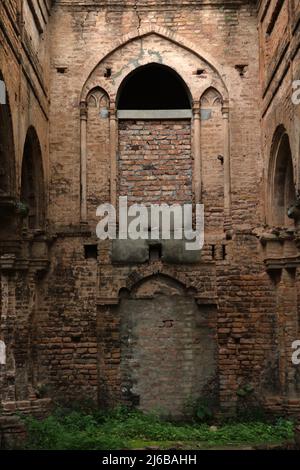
column 153, row 86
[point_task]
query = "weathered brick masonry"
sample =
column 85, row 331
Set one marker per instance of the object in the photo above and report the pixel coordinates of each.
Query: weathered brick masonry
column 144, row 323
column 155, row 161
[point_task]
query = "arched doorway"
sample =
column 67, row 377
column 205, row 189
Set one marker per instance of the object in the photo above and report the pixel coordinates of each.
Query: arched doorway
column 32, row 183
column 154, row 112
column 282, row 186
column 167, row 348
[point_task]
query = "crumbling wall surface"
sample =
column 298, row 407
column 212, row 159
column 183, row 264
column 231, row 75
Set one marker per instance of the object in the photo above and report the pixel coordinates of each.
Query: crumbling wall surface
column 24, row 73
column 158, row 166
column 168, row 349
column 69, row 302
column 211, row 40
column 215, row 51
column 279, row 56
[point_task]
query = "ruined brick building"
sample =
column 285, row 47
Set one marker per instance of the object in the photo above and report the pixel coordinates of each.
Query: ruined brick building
column 161, row 101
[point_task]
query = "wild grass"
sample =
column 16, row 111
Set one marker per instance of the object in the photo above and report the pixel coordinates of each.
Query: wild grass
column 127, row 429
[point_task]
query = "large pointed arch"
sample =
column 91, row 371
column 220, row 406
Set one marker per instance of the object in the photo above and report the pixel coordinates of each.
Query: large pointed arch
column 165, row 34
column 164, row 332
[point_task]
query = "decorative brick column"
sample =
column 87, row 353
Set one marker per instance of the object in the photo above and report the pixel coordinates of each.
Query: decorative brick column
column 197, row 153
column 113, row 137
column 7, row 323
column 83, row 162
column 227, row 175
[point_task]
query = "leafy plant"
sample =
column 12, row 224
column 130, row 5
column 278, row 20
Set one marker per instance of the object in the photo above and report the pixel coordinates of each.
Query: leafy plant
column 245, row 391
column 22, row 209
column 42, row 390
column 201, row 410
column 123, row 428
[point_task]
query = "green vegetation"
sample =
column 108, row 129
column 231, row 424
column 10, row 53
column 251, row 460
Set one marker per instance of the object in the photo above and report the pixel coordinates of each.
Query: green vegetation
column 125, row 429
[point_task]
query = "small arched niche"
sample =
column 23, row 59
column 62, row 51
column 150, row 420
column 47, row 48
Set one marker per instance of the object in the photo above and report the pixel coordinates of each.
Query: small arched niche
column 97, row 147
column 32, row 182
column 7, row 159
column 211, row 98
column 283, row 193
column 98, row 102
column 153, row 87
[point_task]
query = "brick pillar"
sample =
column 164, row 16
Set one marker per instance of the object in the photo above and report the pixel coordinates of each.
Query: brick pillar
column 113, row 136
column 227, row 175
column 83, row 162
column 197, row 153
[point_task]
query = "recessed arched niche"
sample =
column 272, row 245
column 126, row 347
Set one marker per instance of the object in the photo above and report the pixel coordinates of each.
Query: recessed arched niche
column 281, row 185
column 213, row 157
column 32, row 181
column 154, row 133
column 97, row 148
column 98, row 100
column 168, row 348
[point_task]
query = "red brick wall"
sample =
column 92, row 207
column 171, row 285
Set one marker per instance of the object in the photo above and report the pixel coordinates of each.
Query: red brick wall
column 212, row 149
column 168, row 350
column 98, row 163
column 75, row 334
column 155, row 161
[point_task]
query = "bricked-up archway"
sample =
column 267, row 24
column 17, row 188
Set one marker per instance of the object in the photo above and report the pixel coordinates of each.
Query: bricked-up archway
column 196, row 72
column 168, row 347
column 7, row 158
column 155, row 155
column 32, row 183
column 281, row 179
